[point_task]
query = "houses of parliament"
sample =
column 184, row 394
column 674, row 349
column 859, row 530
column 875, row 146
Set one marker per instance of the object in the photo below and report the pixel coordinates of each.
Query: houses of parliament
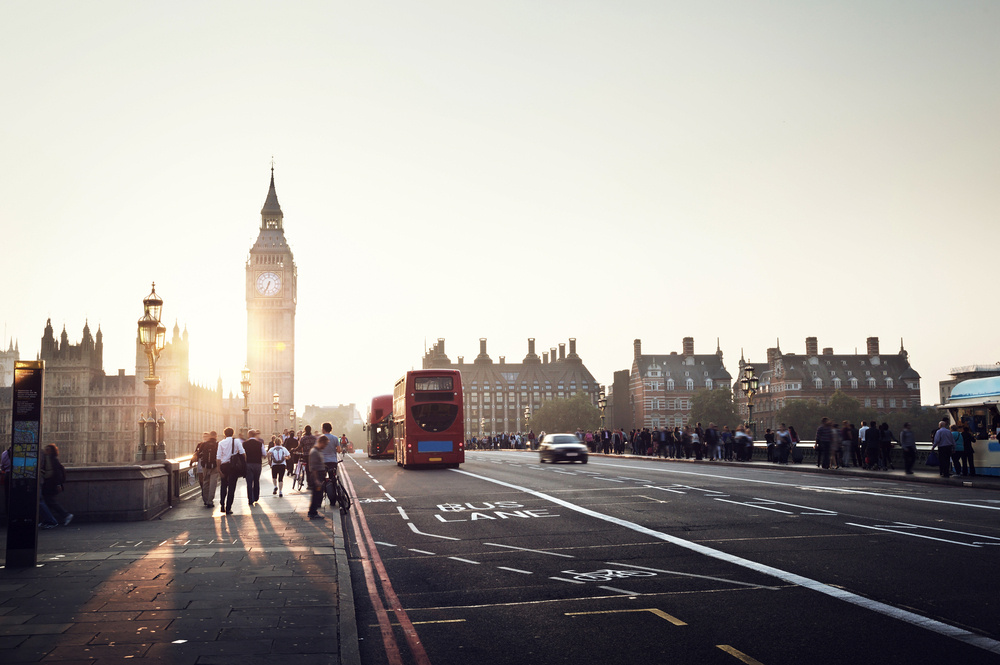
column 93, row 416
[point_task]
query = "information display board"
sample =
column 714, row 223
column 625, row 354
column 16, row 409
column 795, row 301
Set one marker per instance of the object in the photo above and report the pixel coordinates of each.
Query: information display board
column 26, row 435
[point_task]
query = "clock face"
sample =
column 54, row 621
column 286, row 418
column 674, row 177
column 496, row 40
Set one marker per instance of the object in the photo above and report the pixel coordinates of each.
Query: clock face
column 268, row 284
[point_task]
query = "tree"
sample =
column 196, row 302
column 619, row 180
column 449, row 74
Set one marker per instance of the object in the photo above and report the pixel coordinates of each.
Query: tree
column 566, row 415
column 802, row 414
column 714, row 406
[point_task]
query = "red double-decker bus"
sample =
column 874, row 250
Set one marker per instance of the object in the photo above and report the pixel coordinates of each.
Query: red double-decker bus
column 379, row 427
column 428, row 422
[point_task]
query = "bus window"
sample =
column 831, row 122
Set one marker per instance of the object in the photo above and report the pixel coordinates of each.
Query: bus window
column 434, row 417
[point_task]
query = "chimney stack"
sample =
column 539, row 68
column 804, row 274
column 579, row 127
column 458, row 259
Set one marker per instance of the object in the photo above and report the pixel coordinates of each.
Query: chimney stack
column 562, row 352
column 828, row 351
column 572, row 347
column 873, row 346
column 531, row 346
column 440, row 344
column 545, row 358
column 482, row 346
column 689, row 346
column 637, row 348
column 812, row 346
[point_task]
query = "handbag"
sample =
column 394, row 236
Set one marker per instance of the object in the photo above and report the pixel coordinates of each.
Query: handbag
column 932, row 458
column 237, row 462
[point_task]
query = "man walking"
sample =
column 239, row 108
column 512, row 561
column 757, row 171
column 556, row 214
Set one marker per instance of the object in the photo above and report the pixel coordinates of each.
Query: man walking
column 824, row 439
column 255, row 461
column 228, row 447
column 944, row 442
column 208, row 472
column 316, row 476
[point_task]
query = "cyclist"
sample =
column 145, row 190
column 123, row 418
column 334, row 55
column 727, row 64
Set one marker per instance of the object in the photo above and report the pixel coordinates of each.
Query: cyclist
column 330, row 458
column 277, row 457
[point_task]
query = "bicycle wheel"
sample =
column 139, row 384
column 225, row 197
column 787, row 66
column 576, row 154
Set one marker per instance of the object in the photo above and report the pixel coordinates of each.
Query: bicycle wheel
column 343, row 498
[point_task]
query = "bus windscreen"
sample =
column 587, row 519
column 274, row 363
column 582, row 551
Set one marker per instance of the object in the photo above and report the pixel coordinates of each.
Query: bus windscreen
column 434, row 417
column 423, row 383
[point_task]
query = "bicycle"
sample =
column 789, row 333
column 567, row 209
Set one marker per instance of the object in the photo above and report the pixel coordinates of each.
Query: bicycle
column 299, row 477
column 336, row 492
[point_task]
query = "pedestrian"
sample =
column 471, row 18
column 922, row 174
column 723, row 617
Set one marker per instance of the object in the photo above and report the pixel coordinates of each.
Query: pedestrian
column 968, row 456
column 824, row 440
column 208, row 471
column 958, row 450
column 873, row 445
column 770, row 443
column 885, row 439
column 784, row 443
column 944, row 443
column 908, row 443
column 228, row 473
column 53, row 479
column 316, row 476
column 255, row 452
column 277, row 457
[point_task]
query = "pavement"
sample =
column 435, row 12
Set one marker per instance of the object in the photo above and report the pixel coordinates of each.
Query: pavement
column 921, row 472
column 263, row 585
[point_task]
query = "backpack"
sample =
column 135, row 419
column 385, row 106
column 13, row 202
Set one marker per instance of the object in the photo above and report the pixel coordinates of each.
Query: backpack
column 206, row 455
column 58, row 472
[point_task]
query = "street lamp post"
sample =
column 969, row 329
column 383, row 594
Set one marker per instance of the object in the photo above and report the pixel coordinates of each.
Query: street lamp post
column 153, row 337
column 750, row 383
column 602, row 403
column 245, row 389
column 275, row 405
column 291, row 419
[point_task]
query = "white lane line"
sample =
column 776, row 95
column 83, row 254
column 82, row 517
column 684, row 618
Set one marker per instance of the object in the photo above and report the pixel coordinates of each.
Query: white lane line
column 840, row 594
column 819, row 511
column 525, row 549
column 414, row 529
column 665, row 489
column 638, row 480
column 563, row 579
column 458, row 558
column 389, row 496
column 910, row 533
column 402, row 513
column 610, row 480
column 566, row 473
column 701, row 577
column 380, row 487
column 750, row 504
column 516, row 570
column 801, row 486
column 934, row 528
column 379, row 542
column 622, row 591
column 413, row 549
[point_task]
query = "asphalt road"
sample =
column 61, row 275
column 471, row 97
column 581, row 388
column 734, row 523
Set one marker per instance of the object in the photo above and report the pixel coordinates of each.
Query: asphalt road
column 506, row 560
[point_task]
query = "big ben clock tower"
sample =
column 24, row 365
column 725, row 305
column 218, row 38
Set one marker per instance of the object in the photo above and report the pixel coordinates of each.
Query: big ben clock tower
column 271, row 284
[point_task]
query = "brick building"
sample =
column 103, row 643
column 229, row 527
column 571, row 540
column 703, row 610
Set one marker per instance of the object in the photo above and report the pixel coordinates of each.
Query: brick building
column 496, row 394
column 882, row 382
column 661, row 385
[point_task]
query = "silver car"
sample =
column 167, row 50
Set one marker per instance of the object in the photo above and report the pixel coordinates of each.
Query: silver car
column 562, row 448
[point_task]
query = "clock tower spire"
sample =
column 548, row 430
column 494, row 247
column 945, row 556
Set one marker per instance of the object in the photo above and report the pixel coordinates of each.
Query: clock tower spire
column 271, row 278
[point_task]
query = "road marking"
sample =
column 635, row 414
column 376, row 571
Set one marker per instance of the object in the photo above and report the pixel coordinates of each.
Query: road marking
column 379, row 542
column 703, row 577
column 882, row 608
column 414, row 529
column 665, row 489
column 751, row 504
column 563, row 579
column 915, row 535
column 739, row 654
column 819, row 511
column 413, row 549
column 402, row 513
column 660, row 613
column 799, row 485
column 621, row 591
column 525, row 549
column 934, row 528
column 516, row 570
column 610, row 480
column 458, row 558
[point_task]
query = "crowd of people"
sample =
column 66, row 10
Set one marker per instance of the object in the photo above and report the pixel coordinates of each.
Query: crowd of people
column 223, row 463
column 869, row 447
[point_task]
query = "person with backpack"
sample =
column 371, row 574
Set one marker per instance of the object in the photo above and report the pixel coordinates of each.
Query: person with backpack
column 208, row 472
column 53, row 479
column 277, row 457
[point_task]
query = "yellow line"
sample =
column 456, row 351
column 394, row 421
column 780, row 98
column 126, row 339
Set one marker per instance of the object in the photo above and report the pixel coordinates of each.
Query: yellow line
column 659, row 613
column 415, row 623
column 739, row 654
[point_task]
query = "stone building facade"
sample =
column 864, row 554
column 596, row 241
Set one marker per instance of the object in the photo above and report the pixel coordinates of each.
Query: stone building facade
column 496, row 394
column 661, row 386
column 93, row 416
column 7, row 360
column 885, row 382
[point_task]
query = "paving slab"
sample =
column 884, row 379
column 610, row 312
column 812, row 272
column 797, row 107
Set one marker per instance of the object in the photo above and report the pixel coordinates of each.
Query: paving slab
column 194, row 586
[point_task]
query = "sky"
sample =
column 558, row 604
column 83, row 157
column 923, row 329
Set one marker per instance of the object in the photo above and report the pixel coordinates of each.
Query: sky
column 736, row 171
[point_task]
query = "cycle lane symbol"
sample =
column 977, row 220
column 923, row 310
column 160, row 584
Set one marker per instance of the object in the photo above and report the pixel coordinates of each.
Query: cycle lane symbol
column 607, row 574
